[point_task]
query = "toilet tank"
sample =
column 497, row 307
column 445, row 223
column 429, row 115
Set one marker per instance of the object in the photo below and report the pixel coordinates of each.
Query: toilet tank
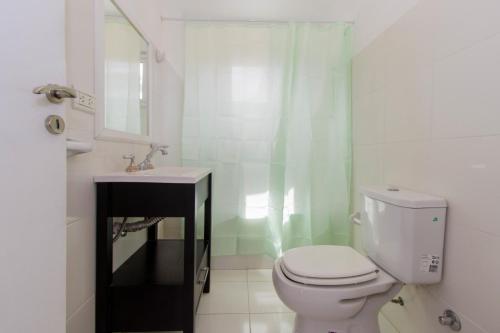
column 403, row 233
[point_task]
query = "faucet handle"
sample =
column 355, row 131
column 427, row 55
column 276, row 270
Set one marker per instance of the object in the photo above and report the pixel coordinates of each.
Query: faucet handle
column 132, row 167
column 130, row 156
column 163, row 149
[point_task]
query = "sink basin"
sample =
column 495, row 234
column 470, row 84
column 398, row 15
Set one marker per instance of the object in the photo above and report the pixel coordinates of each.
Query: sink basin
column 172, row 175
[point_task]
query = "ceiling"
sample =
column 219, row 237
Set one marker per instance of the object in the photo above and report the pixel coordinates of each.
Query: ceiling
column 265, row 10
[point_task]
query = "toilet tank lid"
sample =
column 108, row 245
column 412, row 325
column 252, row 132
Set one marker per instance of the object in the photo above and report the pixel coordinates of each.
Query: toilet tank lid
column 403, row 197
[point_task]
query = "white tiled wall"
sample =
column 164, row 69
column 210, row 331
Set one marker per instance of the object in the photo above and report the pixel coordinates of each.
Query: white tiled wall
column 426, row 110
column 106, row 156
column 374, row 17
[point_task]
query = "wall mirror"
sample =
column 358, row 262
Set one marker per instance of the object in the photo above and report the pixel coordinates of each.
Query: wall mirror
column 125, row 77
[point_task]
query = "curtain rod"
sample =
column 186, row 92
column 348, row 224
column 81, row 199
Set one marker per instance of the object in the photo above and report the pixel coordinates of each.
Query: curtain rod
column 175, row 19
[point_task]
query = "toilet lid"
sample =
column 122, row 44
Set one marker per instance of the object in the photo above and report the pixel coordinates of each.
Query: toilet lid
column 327, row 265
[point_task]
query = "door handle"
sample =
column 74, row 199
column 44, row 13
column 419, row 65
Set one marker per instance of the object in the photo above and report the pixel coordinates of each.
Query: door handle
column 55, row 93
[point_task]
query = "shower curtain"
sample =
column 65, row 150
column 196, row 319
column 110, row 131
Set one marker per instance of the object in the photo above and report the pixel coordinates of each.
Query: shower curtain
column 267, row 107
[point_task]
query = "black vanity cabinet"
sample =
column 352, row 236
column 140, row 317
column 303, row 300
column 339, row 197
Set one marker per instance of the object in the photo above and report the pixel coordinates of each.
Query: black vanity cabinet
column 159, row 287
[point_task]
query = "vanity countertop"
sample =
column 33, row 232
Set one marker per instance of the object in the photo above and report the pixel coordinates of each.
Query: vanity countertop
column 172, row 175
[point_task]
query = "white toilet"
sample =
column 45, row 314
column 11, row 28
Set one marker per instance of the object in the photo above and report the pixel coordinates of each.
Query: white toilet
column 334, row 289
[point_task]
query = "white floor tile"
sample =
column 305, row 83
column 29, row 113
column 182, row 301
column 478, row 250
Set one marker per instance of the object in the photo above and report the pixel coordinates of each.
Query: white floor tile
column 228, row 276
column 260, row 275
column 223, row 323
column 272, row 322
column 263, row 298
column 226, row 297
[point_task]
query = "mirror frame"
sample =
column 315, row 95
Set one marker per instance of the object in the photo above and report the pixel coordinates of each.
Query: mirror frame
column 101, row 132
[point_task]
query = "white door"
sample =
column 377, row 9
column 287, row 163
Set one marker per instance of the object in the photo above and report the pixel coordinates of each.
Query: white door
column 32, row 169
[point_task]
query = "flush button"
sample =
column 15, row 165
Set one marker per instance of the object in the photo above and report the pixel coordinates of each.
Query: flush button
column 55, row 124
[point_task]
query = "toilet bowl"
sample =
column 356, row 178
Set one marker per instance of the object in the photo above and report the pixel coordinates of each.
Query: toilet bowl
column 335, row 289
column 332, row 289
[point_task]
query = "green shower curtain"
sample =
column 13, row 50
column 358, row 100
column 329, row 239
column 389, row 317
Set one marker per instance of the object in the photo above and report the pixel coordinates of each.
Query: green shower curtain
column 267, row 107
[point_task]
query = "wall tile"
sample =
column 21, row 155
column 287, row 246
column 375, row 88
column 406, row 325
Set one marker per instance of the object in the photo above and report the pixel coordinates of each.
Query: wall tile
column 80, row 120
column 408, row 76
column 420, row 313
column 229, row 262
column 259, row 262
column 368, row 168
column 168, row 97
column 441, row 136
column 465, row 172
column 368, row 119
column 367, row 69
column 405, row 164
column 466, row 92
column 408, row 103
column 356, row 238
column 126, row 246
column 80, row 134
column 79, row 45
column 242, row 262
column 376, row 16
column 461, row 24
column 385, row 325
column 83, row 321
column 80, row 194
column 471, row 278
column 80, row 264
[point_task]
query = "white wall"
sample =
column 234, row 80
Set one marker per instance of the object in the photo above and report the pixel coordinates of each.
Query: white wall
column 373, row 17
column 303, row 10
column 146, row 16
column 107, row 156
column 171, row 81
column 426, row 109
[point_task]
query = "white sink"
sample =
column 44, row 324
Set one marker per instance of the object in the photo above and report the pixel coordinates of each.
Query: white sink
column 173, row 175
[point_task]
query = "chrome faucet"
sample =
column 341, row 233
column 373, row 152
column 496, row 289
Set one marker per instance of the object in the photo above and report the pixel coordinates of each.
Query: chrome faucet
column 146, row 164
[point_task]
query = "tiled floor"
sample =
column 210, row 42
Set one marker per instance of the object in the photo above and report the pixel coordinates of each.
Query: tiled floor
column 243, row 301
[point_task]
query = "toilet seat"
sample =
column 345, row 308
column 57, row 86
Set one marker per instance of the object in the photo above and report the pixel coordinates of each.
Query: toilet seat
column 327, row 265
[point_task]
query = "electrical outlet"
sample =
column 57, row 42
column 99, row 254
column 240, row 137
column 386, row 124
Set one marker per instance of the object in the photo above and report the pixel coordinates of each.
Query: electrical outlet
column 84, row 102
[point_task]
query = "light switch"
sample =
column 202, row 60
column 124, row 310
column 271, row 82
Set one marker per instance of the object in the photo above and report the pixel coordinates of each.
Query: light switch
column 84, row 102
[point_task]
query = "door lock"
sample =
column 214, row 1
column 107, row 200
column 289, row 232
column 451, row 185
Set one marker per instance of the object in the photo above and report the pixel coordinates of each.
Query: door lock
column 55, row 124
